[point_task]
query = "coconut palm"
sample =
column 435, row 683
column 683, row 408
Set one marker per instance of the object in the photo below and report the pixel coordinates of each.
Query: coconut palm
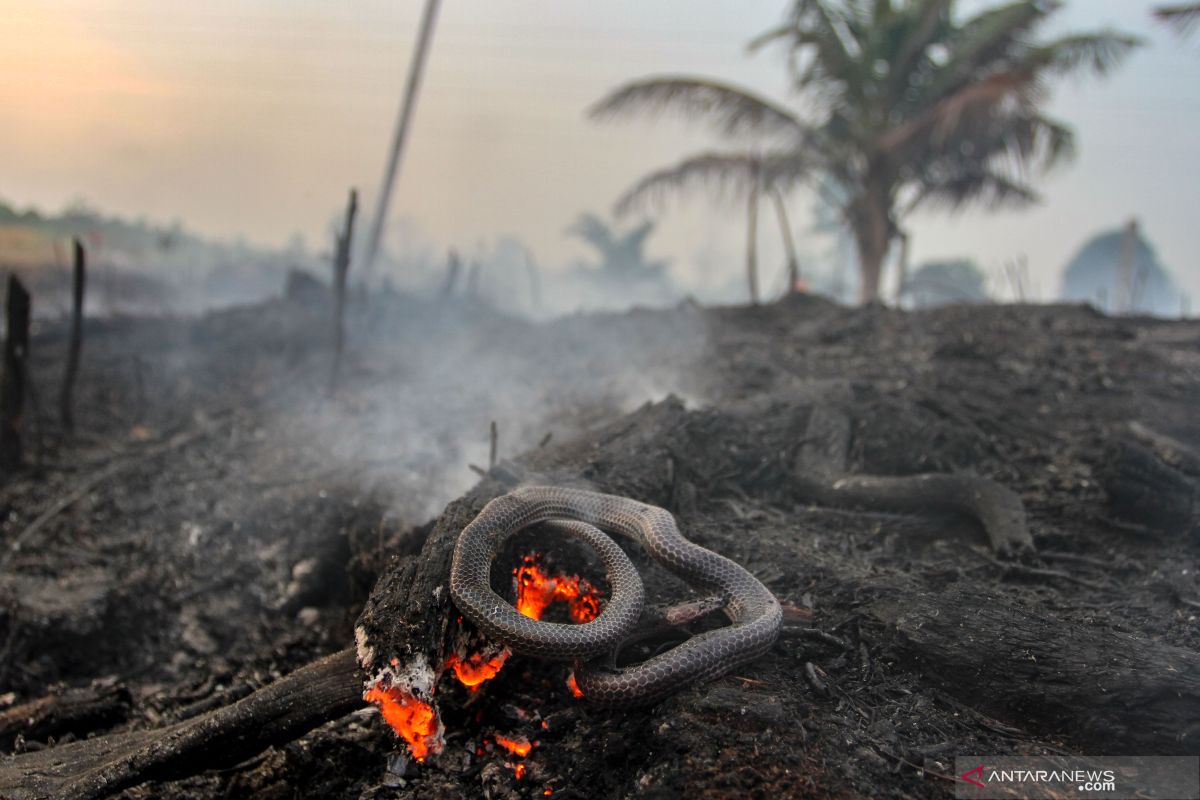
column 903, row 105
column 745, row 176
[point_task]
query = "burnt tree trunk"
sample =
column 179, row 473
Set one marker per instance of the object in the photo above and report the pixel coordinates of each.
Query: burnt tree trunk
column 12, row 383
column 75, row 339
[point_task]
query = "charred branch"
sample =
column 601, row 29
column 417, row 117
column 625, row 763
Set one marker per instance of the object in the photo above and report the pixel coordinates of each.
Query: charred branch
column 95, row 768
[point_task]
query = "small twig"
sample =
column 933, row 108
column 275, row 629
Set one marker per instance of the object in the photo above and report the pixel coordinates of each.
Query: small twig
column 546, row 439
column 814, row 679
column 1014, row 568
column 820, row 635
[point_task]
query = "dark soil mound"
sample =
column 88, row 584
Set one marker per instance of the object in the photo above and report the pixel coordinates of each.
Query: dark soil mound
column 222, row 519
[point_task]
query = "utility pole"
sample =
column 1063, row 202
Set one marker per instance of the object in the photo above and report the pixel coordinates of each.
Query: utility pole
column 415, row 70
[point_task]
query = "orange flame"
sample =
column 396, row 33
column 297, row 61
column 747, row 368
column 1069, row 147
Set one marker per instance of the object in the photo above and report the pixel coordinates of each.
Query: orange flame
column 413, row 721
column 536, row 591
column 573, row 685
column 519, row 770
column 475, row 669
column 518, row 747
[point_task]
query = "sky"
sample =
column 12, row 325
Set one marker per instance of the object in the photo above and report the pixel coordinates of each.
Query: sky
column 251, row 118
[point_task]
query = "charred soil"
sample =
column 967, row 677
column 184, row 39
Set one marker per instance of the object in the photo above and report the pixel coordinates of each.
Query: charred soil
column 222, row 518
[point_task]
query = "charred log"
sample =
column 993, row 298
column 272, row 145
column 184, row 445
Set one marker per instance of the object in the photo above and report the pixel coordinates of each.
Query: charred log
column 94, row 768
column 1152, row 481
column 1111, row 691
column 75, row 711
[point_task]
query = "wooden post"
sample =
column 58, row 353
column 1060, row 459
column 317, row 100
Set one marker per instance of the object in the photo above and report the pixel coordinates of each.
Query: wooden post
column 453, row 268
column 752, row 239
column 75, row 342
column 341, row 269
column 495, row 437
column 12, row 383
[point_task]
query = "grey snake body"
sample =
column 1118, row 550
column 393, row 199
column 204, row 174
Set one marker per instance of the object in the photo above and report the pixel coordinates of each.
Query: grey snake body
column 753, row 611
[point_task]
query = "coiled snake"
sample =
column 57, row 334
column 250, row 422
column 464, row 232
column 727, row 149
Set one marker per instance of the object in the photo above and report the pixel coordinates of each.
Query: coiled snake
column 753, row 611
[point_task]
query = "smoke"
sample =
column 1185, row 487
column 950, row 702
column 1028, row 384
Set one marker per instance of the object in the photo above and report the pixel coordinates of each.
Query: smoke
column 424, row 379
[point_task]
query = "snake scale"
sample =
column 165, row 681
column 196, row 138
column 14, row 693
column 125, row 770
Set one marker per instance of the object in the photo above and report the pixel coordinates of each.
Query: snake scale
column 753, row 611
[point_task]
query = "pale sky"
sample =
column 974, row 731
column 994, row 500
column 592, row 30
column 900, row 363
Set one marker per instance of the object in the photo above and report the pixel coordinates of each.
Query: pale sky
column 252, row 117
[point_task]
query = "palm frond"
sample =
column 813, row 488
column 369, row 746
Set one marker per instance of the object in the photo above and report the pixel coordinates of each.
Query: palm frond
column 731, row 110
column 1182, row 17
column 956, row 189
column 727, row 174
column 1100, row 53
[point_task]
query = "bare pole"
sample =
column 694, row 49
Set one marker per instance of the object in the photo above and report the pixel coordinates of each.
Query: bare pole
column 341, row 269
column 75, row 340
column 415, row 71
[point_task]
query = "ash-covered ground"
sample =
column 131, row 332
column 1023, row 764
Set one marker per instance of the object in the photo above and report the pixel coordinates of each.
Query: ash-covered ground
column 223, row 512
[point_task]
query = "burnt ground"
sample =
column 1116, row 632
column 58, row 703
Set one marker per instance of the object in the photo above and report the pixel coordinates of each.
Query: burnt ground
column 221, row 517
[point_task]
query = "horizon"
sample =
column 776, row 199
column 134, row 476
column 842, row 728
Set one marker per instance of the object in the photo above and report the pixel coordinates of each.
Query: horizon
column 142, row 110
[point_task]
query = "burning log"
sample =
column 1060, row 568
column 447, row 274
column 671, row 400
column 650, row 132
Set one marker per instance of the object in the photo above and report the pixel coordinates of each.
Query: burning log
column 13, row 382
column 75, row 341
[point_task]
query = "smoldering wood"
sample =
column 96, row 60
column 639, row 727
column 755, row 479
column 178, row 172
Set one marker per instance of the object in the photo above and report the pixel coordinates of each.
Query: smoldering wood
column 75, row 338
column 13, row 382
column 95, row 768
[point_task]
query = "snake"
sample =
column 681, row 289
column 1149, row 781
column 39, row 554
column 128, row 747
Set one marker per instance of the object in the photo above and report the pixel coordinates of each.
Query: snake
column 754, row 613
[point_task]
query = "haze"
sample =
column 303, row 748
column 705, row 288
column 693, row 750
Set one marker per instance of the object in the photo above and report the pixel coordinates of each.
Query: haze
column 252, row 117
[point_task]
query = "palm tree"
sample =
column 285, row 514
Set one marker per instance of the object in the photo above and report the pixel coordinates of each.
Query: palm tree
column 904, row 106
column 747, row 176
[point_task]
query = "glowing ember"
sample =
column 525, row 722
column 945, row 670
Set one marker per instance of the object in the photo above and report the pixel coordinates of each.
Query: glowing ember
column 519, row 770
column 573, row 685
column 519, row 747
column 537, row 591
column 413, row 721
column 476, row 668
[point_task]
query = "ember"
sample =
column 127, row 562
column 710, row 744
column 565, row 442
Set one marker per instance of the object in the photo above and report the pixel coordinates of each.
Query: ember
column 573, row 685
column 413, row 721
column 537, row 591
column 520, row 747
column 477, row 668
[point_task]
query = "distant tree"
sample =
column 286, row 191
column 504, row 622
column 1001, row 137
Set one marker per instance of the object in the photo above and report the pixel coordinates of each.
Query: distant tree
column 904, row 105
column 622, row 256
column 744, row 176
column 937, row 283
column 1095, row 275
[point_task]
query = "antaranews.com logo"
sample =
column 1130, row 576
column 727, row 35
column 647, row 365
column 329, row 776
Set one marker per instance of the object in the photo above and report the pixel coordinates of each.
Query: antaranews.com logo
column 1067, row 777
